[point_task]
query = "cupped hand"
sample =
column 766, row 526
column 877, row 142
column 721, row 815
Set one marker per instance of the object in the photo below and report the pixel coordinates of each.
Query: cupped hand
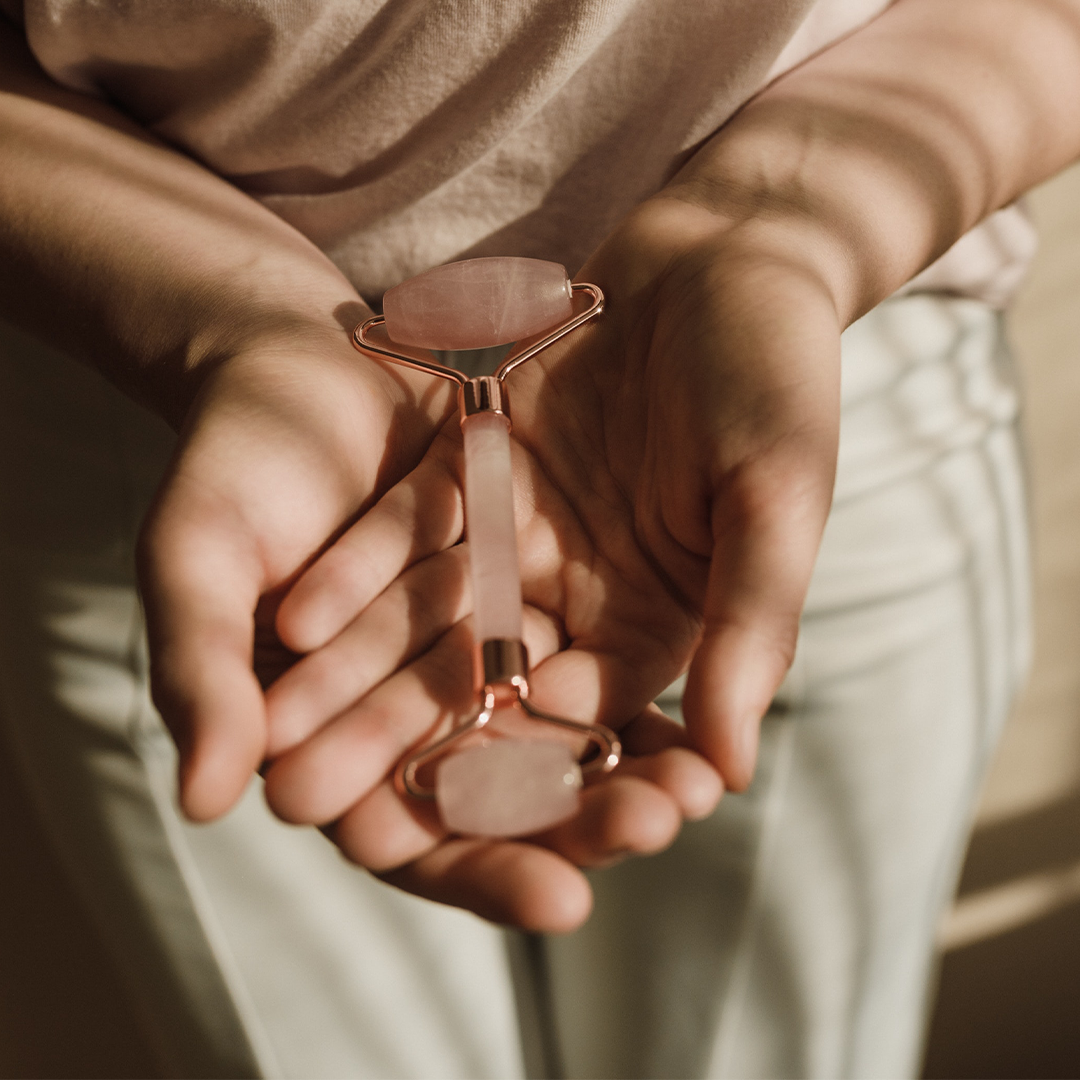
column 673, row 471
column 288, row 439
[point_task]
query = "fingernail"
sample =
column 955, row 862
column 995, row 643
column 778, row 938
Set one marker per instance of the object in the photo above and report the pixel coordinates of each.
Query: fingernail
column 613, row 858
column 749, row 733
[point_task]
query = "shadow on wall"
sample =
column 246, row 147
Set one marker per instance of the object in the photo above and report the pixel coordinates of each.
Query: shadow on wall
column 1009, row 1002
column 49, row 955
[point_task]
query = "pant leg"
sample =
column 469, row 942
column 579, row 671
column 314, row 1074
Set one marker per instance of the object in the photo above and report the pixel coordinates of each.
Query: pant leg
column 248, row 947
column 791, row 934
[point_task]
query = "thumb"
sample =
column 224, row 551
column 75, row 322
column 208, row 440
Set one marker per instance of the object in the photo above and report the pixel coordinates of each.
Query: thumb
column 201, row 578
column 767, row 525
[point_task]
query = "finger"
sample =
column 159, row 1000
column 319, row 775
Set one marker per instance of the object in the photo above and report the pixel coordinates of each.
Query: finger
column 767, row 527
column 659, row 750
column 398, row 625
column 506, row 881
column 320, row 779
column 200, row 581
column 385, row 831
column 683, row 775
column 621, row 815
column 596, row 686
column 419, row 516
column 651, row 732
column 514, row 883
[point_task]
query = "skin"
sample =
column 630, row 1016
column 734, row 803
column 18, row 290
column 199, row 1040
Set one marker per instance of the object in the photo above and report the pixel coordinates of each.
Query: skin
column 674, row 462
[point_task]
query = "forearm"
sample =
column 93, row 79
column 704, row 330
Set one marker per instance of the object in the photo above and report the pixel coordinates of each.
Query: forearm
column 884, row 149
column 132, row 256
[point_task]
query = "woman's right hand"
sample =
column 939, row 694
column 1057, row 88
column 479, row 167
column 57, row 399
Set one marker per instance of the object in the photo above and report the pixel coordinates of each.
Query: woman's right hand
column 287, row 441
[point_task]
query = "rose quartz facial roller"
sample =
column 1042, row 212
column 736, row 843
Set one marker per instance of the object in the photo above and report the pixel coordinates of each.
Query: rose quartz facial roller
column 506, row 786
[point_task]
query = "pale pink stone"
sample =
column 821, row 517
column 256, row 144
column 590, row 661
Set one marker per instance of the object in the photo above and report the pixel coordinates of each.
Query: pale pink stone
column 477, row 303
column 508, row 787
column 489, row 524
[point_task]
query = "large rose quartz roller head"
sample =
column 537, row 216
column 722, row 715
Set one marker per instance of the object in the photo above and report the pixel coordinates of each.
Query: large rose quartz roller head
column 508, row 787
column 478, row 303
column 501, row 786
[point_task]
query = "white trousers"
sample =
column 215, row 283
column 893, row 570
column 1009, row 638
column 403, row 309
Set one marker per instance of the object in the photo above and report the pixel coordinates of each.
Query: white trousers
column 790, row 935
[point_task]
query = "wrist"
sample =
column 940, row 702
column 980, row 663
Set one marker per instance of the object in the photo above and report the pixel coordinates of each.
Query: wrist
column 678, row 243
column 303, row 376
column 272, row 320
column 900, row 138
column 791, row 181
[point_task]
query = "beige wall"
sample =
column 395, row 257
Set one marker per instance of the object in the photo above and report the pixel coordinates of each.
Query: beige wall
column 1009, row 1004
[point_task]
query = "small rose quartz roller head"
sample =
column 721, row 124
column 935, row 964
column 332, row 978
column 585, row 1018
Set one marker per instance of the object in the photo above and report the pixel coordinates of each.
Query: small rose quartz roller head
column 508, row 785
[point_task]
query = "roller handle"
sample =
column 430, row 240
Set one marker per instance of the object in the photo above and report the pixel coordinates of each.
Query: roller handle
column 489, row 525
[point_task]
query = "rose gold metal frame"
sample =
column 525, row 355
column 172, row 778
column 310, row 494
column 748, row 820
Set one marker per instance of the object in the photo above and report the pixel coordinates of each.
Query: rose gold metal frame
column 362, row 340
column 501, row 665
column 498, row 695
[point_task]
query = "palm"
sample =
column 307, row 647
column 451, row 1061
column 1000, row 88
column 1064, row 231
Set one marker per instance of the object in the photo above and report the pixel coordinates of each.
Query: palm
column 696, row 441
column 269, row 470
